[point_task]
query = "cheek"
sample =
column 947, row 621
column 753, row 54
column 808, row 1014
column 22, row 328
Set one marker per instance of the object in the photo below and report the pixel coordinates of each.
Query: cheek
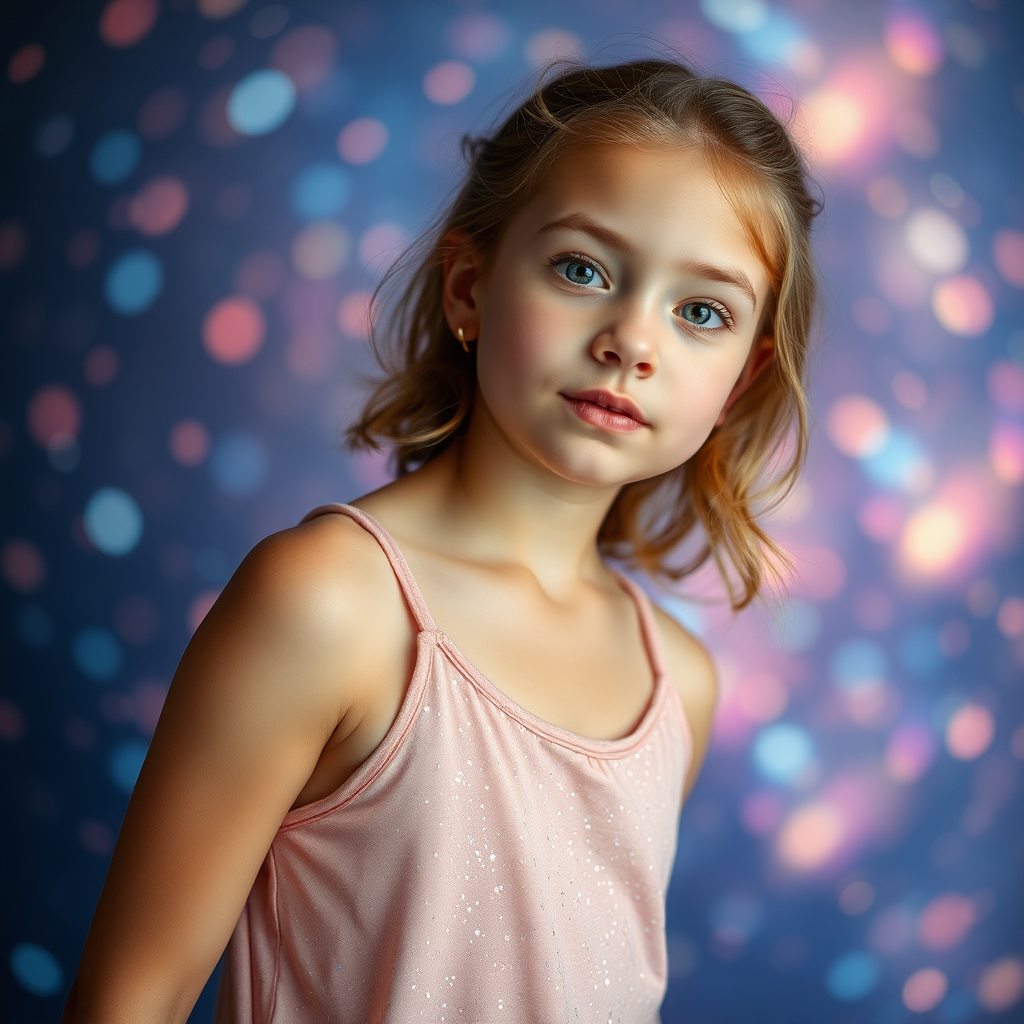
column 698, row 384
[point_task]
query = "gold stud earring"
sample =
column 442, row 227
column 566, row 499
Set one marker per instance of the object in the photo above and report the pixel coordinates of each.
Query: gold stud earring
column 462, row 339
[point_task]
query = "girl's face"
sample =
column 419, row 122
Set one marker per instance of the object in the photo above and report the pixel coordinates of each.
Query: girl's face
column 617, row 315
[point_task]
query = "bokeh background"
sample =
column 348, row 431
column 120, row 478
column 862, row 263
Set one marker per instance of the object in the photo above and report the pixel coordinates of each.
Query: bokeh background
column 198, row 196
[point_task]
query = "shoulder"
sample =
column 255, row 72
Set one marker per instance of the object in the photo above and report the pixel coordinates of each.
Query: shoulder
column 693, row 673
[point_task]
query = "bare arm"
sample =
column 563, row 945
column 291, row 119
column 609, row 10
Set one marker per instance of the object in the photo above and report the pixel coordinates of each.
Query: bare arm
column 693, row 673
column 278, row 663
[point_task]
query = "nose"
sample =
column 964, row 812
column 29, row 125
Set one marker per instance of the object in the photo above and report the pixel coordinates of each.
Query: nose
column 627, row 344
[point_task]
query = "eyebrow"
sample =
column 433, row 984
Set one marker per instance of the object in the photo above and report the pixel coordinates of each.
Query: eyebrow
column 708, row 271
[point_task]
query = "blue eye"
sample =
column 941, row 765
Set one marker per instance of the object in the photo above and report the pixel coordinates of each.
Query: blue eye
column 579, row 272
column 700, row 314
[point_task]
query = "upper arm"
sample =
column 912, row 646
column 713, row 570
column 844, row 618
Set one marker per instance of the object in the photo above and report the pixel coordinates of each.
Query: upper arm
column 260, row 689
column 693, row 674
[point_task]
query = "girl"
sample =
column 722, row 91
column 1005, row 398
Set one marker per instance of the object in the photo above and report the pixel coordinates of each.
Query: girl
column 424, row 759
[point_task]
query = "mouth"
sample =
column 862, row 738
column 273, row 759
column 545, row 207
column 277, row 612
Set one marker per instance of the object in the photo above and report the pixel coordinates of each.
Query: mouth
column 617, row 414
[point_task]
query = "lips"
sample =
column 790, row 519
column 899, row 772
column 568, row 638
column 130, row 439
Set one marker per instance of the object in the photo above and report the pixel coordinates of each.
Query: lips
column 605, row 409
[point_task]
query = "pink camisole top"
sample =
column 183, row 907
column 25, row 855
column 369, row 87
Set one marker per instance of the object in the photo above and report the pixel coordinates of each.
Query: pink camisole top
column 482, row 865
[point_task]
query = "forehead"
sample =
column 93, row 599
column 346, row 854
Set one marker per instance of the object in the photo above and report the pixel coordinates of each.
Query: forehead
column 667, row 201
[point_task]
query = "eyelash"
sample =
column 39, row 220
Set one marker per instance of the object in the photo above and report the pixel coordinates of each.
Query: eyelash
column 727, row 321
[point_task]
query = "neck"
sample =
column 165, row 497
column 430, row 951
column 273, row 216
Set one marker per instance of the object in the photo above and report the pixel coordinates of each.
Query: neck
column 485, row 500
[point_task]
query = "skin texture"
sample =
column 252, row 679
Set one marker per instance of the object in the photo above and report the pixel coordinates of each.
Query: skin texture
column 298, row 671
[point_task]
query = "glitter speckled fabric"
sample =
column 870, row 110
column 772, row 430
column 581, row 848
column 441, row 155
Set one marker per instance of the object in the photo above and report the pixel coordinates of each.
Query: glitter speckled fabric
column 482, row 865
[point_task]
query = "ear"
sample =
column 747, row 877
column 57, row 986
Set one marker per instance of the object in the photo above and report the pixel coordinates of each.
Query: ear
column 462, row 272
column 761, row 353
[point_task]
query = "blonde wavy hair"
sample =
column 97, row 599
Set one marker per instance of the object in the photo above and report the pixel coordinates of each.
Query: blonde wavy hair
column 425, row 396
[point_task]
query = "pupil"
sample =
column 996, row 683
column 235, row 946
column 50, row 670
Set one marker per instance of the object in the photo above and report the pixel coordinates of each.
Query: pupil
column 699, row 314
column 580, row 273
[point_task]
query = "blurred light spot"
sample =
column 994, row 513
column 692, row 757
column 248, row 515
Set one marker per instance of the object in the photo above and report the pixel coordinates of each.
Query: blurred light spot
column 736, row 919
column 127, row 22
column 36, row 969
column 268, row 21
column 910, row 752
column 969, row 732
column 887, row 197
column 856, row 898
column 858, row 660
column 1001, row 985
column 913, row 44
column 309, row 353
column 919, row 650
column 260, row 274
column 217, row 9
column 853, row 976
column 25, row 63
column 216, row 52
column 761, row 811
column 381, row 244
column 13, row 245
column 96, row 838
column 321, row 250
column 857, row 426
column 363, row 140
column 811, row 836
column 162, row 113
column 189, row 442
column 902, row 281
column 321, row 190
column 101, row 366
column 947, row 190
column 125, row 763
column 353, row 315
column 1008, row 256
column 136, row 619
column 936, row 241
column 1010, row 618
column 159, row 207
column 449, row 82
column 966, row 46
column 909, row 390
column 261, row 102
column 892, row 930
column 233, row 330
column 200, row 608
column 782, row 752
column 23, row 566
column 83, row 248
column 53, row 412
column 963, row 306
column 305, row 55
column 113, row 521
column 761, row 697
column 916, row 133
column 840, row 122
column 924, row 990
column 54, row 135
column 478, row 36
column 133, row 282
column 933, row 538
column 551, row 44
column 735, row 15
column 901, row 463
column 97, row 653
column 12, row 721
column 34, row 625
column 1006, row 385
column 239, row 464
column 796, row 627
column 945, row 922
column 115, row 156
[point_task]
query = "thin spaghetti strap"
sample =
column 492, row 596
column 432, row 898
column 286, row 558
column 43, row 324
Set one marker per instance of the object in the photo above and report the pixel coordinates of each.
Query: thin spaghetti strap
column 395, row 557
column 649, row 628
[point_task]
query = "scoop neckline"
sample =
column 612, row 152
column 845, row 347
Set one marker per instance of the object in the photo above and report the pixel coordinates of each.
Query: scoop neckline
column 556, row 733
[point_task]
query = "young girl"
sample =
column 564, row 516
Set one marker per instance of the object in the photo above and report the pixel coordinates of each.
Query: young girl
column 425, row 758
